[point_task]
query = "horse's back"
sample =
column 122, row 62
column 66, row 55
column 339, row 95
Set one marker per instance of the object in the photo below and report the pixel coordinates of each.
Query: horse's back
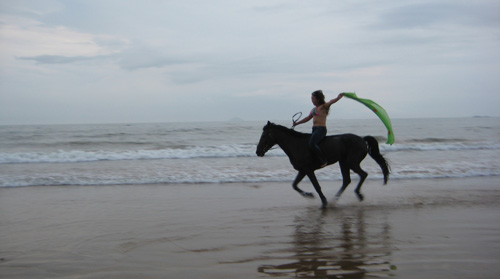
column 347, row 139
column 344, row 145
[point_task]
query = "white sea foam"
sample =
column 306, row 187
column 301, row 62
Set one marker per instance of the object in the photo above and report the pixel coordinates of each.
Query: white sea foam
column 224, row 153
column 74, row 156
column 437, row 146
column 213, row 171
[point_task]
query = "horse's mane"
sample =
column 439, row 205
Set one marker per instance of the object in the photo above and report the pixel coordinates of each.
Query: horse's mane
column 292, row 132
column 289, row 131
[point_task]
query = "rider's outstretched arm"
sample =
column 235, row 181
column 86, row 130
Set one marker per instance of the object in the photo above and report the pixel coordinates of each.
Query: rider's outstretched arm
column 303, row 120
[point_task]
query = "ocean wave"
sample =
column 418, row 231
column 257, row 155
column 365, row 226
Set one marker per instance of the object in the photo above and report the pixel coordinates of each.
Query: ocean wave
column 193, row 152
column 248, row 171
column 439, row 146
column 241, row 178
column 181, row 152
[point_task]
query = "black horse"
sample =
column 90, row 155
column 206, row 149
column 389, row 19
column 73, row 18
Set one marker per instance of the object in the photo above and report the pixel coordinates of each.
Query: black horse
column 347, row 149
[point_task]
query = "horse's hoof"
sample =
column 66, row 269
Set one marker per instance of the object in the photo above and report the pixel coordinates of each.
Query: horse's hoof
column 308, row 195
column 360, row 197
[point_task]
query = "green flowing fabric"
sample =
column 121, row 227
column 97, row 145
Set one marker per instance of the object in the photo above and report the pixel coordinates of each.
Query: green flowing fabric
column 380, row 111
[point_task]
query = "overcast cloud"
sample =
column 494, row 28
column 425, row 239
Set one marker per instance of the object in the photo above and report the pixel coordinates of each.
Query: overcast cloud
column 157, row 61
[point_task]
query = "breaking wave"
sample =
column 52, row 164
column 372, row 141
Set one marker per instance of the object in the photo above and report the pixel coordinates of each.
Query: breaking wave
column 193, row 152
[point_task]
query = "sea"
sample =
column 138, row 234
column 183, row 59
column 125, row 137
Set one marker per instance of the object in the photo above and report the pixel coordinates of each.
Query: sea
column 224, row 152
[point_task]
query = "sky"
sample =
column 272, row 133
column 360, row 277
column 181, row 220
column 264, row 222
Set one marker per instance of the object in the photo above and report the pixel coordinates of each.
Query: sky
column 118, row 61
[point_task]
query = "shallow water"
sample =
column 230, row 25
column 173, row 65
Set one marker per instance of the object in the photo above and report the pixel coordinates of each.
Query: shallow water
column 424, row 228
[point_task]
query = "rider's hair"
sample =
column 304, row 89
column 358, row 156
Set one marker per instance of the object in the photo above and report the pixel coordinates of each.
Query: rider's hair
column 318, row 94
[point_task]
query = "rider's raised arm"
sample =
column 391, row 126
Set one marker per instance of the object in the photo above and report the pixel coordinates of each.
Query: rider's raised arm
column 333, row 101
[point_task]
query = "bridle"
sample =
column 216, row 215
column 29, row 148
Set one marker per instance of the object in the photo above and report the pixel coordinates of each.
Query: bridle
column 267, row 141
column 268, row 146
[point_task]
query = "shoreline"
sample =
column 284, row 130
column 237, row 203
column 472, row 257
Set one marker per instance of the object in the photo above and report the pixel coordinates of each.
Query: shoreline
column 329, row 182
column 435, row 228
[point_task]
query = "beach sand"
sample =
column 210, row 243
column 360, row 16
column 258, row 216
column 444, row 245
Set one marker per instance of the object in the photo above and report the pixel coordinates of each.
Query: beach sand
column 422, row 228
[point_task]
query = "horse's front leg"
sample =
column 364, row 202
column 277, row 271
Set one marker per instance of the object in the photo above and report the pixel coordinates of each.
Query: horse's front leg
column 315, row 183
column 296, row 182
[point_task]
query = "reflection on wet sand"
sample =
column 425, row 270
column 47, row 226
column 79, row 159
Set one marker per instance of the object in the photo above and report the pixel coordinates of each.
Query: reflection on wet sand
column 340, row 243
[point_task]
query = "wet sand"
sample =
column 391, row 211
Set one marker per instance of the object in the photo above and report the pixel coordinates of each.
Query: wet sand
column 442, row 228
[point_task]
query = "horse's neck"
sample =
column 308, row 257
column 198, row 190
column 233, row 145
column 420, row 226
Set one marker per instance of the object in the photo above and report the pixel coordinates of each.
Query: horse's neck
column 286, row 141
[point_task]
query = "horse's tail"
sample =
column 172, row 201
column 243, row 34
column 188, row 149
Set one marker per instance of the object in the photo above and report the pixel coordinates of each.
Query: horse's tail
column 374, row 152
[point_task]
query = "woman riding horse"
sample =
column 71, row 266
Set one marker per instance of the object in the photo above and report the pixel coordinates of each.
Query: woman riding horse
column 318, row 114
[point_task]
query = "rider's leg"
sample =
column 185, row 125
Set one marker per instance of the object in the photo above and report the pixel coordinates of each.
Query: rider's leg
column 317, row 135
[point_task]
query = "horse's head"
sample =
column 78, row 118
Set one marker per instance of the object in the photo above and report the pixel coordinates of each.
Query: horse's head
column 266, row 140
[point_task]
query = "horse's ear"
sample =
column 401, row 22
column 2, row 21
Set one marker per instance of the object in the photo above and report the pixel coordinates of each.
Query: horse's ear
column 268, row 122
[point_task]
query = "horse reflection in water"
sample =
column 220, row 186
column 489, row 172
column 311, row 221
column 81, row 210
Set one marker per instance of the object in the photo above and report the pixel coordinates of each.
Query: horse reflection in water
column 336, row 244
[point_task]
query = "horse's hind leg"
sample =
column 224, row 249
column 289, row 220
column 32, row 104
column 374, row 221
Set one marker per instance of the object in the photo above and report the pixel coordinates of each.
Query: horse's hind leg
column 296, row 182
column 362, row 176
column 346, row 179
